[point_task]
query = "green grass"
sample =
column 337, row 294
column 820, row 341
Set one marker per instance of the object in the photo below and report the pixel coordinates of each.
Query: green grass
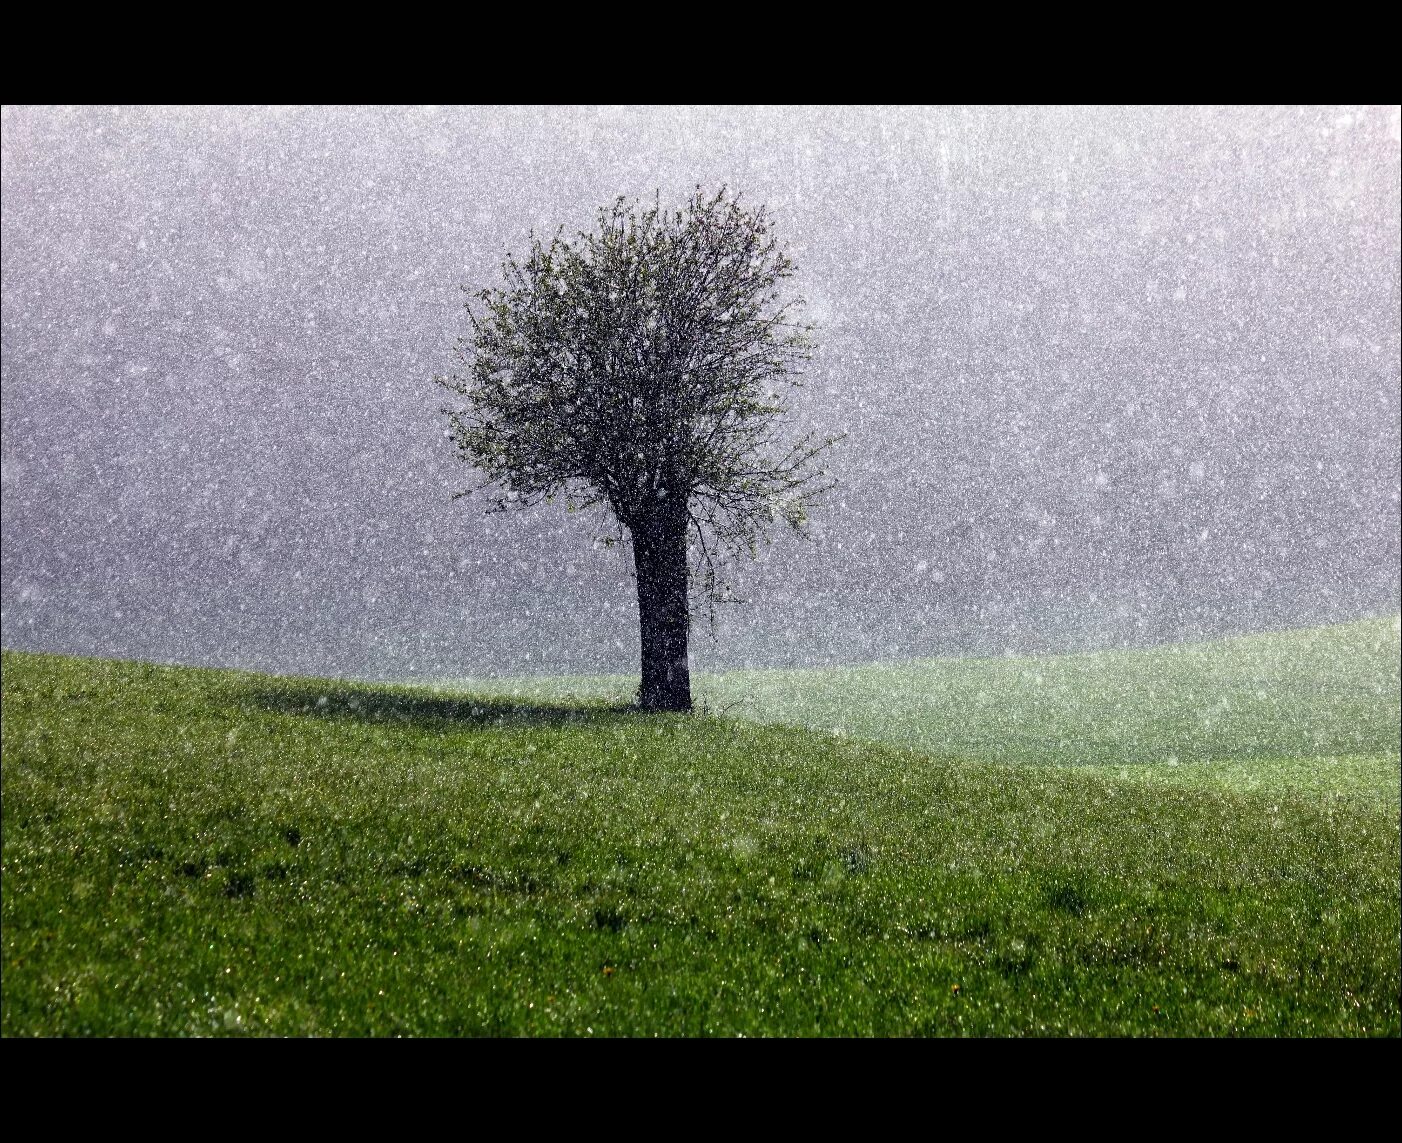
column 1301, row 710
column 195, row 852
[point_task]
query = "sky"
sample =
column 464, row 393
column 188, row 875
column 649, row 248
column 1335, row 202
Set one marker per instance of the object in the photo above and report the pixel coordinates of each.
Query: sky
column 1108, row 377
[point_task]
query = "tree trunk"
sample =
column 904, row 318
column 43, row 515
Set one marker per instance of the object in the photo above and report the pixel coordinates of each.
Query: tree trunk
column 664, row 618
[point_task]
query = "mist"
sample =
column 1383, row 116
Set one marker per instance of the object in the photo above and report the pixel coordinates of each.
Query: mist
column 1108, row 377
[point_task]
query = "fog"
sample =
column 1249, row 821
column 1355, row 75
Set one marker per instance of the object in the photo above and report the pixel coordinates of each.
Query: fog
column 1109, row 377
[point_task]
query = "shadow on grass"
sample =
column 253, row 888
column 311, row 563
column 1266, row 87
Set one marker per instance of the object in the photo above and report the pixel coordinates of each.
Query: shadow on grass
column 440, row 711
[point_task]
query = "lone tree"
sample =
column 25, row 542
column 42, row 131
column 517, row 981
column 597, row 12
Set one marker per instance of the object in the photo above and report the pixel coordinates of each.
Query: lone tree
column 638, row 366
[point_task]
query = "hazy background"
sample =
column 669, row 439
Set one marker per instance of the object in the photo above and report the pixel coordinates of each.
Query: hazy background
column 1109, row 377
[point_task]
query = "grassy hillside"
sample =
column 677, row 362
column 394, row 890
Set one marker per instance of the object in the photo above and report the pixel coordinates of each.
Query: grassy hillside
column 201, row 852
column 1314, row 709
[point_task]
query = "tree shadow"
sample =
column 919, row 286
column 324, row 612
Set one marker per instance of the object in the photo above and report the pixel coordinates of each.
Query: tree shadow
column 432, row 711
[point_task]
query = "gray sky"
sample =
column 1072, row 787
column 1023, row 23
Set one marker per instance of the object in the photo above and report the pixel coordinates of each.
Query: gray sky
column 1110, row 376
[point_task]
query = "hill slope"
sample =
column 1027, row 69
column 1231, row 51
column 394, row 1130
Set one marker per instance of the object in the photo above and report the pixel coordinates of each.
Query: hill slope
column 1291, row 710
column 196, row 852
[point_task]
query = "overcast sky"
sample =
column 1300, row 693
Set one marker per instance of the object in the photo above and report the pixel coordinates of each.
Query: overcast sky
column 1109, row 376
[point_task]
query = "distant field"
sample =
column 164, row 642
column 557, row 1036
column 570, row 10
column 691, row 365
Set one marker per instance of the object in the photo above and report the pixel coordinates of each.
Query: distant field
column 1301, row 710
column 198, row 852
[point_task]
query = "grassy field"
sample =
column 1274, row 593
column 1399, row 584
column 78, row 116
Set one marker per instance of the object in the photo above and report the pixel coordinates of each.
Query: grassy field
column 196, row 852
column 1306, row 710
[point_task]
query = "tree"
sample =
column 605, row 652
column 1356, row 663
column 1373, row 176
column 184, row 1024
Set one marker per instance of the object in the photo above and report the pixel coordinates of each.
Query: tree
column 638, row 367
